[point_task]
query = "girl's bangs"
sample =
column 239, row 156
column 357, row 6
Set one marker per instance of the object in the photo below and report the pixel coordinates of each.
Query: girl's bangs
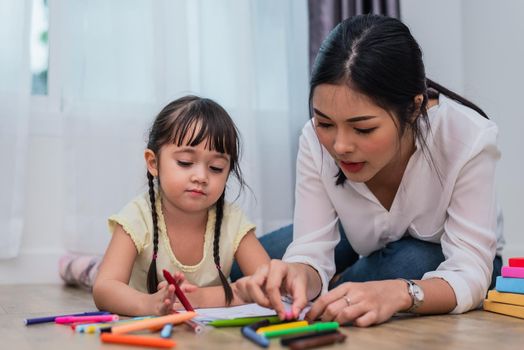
column 191, row 129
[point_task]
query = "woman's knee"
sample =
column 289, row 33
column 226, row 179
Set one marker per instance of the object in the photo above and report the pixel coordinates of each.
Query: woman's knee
column 276, row 242
column 411, row 258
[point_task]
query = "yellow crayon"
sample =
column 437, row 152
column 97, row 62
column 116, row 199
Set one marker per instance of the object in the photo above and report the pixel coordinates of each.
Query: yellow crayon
column 280, row 326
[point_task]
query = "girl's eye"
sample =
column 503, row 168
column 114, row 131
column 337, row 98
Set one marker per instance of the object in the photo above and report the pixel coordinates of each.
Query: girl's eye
column 183, row 163
column 216, row 169
column 364, row 131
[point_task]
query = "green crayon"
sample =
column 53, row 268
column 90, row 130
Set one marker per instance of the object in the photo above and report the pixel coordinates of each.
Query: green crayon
column 316, row 327
column 244, row 321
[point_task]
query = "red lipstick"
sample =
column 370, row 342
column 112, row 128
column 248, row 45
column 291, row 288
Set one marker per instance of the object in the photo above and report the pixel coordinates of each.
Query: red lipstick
column 352, row 167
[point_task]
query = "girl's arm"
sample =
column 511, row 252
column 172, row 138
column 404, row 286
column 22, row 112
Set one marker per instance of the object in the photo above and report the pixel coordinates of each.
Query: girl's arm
column 111, row 291
column 250, row 254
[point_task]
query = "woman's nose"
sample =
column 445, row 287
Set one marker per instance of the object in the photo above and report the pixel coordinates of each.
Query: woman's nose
column 342, row 144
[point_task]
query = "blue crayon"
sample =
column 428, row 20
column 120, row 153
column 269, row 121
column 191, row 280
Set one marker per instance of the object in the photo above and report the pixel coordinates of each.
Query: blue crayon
column 256, row 338
column 167, row 330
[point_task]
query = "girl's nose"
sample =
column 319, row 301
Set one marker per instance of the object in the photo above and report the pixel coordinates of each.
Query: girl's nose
column 200, row 175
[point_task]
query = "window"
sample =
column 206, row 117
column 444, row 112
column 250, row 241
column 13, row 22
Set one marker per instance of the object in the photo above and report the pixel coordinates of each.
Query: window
column 39, row 47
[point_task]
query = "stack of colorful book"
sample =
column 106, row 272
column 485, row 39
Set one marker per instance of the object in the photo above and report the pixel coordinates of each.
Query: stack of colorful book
column 508, row 296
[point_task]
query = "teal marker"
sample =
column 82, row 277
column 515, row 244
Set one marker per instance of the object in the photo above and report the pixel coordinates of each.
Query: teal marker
column 316, row 327
column 244, row 321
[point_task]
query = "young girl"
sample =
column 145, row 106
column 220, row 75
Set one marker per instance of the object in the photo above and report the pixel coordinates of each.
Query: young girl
column 406, row 167
column 182, row 223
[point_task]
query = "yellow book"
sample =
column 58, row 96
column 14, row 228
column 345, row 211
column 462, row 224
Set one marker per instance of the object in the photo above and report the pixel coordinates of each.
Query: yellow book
column 506, row 298
column 505, row 309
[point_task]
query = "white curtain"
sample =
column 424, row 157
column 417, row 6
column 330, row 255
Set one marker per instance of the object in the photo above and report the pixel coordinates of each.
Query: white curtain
column 15, row 78
column 122, row 61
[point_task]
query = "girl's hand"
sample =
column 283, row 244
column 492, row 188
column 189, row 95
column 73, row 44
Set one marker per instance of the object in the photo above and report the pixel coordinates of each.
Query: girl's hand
column 362, row 304
column 163, row 299
column 166, row 294
column 270, row 280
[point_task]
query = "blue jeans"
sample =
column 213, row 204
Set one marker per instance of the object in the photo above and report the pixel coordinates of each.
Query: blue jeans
column 406, row 258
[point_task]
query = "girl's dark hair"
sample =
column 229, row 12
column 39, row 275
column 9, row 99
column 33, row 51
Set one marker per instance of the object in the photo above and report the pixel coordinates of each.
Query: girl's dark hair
column 378, row 57
column 194, row 120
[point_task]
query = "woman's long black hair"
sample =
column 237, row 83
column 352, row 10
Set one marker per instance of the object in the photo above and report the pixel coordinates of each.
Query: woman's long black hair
column 175, row 124
column 378, row 57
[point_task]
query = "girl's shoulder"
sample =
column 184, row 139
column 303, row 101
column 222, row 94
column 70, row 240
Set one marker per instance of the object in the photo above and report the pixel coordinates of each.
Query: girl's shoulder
column 137, row 206
column 233, row 211
column 136, row 220
column 235, row 221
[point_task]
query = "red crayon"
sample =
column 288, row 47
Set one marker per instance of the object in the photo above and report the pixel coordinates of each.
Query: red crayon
column 179, row 294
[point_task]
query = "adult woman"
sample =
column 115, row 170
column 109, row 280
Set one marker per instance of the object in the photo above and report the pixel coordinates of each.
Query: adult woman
column 407, row 169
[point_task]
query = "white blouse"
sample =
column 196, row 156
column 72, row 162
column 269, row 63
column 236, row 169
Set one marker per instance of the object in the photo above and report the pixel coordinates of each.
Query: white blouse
column 452, row 202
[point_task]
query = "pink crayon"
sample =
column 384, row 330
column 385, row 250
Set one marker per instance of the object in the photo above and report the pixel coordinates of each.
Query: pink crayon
column 95, row 318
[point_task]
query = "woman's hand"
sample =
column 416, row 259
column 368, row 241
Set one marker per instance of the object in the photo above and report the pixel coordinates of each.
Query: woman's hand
column 266, row 285
column 362, row 304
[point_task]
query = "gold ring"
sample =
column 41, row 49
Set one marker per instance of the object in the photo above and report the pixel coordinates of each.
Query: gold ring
column 348, row 300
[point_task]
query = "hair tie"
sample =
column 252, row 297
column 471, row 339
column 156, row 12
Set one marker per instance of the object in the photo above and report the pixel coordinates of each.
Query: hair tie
column 154, row 256
column 218, row 266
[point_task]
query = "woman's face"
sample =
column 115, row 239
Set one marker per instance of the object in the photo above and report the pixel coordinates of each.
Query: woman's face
column 362, row 137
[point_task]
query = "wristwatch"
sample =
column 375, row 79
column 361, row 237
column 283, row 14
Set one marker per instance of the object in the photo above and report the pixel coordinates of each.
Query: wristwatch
column 416, row 293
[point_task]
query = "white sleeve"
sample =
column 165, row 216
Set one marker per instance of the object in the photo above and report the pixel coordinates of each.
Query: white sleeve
column 315, row 229
column 469, row 241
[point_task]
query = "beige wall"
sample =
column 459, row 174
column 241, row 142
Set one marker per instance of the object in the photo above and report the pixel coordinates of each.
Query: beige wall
column 477, row 48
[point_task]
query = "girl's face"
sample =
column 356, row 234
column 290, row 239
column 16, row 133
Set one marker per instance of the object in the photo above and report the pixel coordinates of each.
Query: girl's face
column 191, row 178
column 362, row 137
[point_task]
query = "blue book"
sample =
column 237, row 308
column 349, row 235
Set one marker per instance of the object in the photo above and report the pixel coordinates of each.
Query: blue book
column 510, row 285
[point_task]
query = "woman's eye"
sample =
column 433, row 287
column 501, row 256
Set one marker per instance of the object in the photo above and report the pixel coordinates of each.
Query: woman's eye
column 216, row 169
column 183, row 163
column 323, row 125
column 364, row 131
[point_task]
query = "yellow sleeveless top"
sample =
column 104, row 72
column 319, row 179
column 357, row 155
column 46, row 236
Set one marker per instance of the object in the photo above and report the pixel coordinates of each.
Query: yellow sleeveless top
column 136, row 220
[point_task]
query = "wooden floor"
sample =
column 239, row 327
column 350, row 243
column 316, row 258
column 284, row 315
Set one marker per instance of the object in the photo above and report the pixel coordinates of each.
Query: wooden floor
column 474, row 330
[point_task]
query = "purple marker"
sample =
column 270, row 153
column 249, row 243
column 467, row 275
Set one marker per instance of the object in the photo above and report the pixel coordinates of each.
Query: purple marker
column 30, row 321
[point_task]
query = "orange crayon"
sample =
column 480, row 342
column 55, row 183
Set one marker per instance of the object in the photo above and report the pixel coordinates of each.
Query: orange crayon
column 152, row 322
column 137, row 340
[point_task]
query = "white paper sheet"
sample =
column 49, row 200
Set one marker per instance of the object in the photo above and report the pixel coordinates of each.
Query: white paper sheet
column 247, row 310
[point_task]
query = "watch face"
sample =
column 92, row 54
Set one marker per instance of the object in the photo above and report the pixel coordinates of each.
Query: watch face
column 418, row 294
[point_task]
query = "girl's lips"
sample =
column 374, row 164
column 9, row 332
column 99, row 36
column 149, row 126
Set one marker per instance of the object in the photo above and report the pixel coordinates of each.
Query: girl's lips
column 196, row 192
column 352, row 167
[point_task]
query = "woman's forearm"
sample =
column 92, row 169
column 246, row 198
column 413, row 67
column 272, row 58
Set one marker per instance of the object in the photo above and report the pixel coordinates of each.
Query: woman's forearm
column 314, row 283
column 439, row 297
